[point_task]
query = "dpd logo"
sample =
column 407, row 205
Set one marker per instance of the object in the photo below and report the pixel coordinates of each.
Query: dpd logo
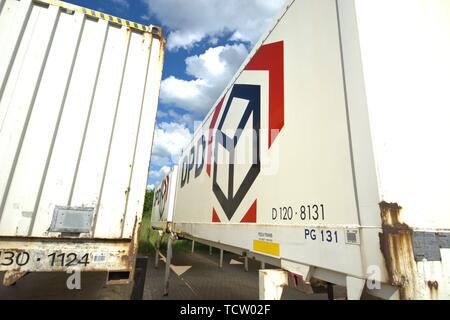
column 161, row 195
column 229, row 199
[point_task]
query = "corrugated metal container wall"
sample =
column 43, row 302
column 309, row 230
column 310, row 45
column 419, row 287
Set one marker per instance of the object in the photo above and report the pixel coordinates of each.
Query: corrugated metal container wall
column 78, row 101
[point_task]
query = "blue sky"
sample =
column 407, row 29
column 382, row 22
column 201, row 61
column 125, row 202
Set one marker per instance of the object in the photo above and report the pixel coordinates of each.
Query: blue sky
column 207, row 42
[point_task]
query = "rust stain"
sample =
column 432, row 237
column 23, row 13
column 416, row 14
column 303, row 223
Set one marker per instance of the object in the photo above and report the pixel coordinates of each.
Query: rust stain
column 133, row 248
column 169, row 228
column 433, row 284
column 396, row 244
column 130, row 260
column 162, row 49
column 157, row 32
column 11, row 277
column 298, row 282
column 34, row 266
column 433, row 287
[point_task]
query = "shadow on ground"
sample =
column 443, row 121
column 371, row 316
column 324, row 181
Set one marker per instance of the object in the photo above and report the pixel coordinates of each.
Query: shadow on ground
column 197, row 277
column 52, row 286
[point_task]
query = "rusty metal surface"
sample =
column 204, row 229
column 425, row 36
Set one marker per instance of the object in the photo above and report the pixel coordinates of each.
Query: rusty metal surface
column 417, row 261
column 133, row 248
column 300, row 283
column 118, row 255
column 396, row 245
column 11, row 277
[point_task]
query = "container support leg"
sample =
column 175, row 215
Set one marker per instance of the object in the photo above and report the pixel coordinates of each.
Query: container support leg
column 193, row 246
column 246, row 263
column 355, row 288
column 168, row 262
column 221, row 259
column 158, row 245
column 271, row 284
column 330, row 291
column 210, row 250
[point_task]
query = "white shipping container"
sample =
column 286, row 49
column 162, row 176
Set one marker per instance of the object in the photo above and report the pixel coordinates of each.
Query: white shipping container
column 78, row 101
column 341, row 171
column 164, row 201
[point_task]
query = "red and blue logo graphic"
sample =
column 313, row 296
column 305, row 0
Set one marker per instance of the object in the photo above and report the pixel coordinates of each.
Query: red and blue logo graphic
column 269, row 58
column 161, row 196
column 231, row 200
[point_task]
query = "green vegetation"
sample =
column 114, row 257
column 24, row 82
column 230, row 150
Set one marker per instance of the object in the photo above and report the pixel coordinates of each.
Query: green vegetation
column 145, row 245
column 178, row 245
column 148, row 203
column 148, row 237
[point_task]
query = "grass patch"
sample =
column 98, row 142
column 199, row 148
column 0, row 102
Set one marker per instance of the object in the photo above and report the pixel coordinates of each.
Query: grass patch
column 178, row 245
column 148, row 237
column 145, row 246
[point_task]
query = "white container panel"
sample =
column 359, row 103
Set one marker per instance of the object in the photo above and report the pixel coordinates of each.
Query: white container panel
column 25, row 189
column 17, row 105
column 121, row 155
column 142, row 157
column 63, row 164
column 13, row 15
column 102, row 120
column 77, row 108
column 409, row 108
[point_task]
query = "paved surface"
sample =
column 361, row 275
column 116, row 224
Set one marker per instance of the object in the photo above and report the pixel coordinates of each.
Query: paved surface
column 197, row 277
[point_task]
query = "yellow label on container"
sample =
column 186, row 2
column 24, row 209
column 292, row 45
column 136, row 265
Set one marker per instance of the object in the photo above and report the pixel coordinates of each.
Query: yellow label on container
column 266, row 247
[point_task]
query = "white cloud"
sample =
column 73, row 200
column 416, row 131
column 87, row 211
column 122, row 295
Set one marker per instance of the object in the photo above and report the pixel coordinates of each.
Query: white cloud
column 160, row 160
column 150, row 187
column 162, row 172
column 170, row 139
column 161, row 114
column 121, row 3
column 213, row 70
column 192, row 21
column 185, row 118
column 181, row 117
column 184, row 94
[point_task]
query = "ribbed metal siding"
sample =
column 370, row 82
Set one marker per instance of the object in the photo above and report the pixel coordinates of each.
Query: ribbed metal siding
column 78, row 99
